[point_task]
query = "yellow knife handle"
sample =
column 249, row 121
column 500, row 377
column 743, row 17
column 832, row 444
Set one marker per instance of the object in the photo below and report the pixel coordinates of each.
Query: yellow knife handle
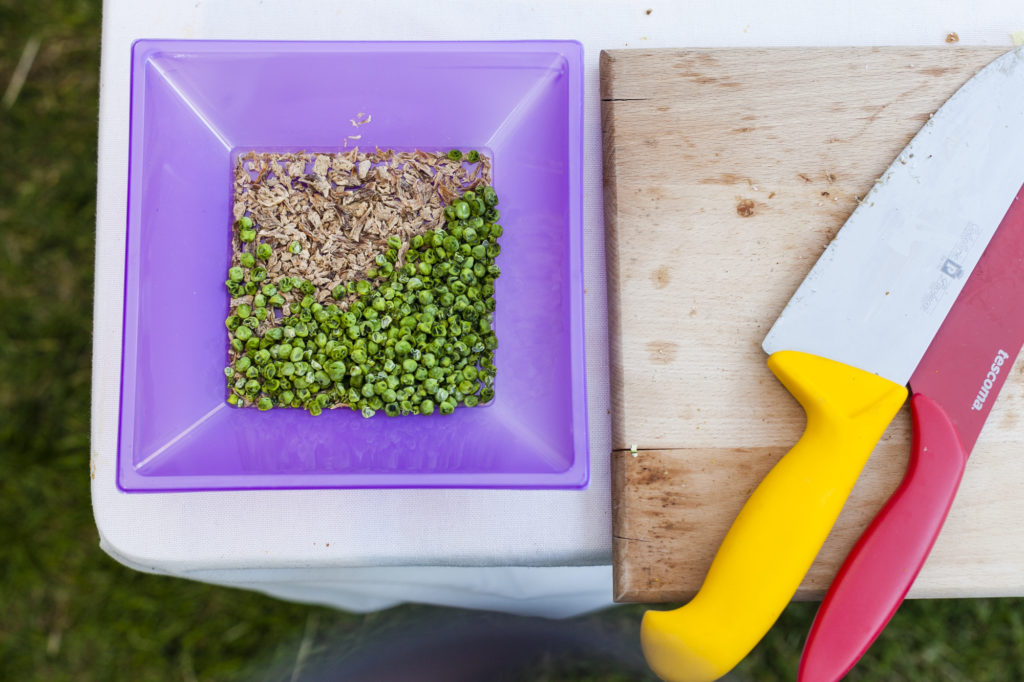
column 780, row 529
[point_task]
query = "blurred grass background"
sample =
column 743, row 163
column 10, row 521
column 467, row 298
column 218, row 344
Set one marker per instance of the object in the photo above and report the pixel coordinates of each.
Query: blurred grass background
column 71, row 613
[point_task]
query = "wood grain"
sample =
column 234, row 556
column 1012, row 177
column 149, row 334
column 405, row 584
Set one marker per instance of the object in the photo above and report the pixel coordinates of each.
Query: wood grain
column 726, row 173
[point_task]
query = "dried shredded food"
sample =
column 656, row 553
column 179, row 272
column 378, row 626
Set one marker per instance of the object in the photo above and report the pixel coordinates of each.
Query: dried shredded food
column 341, row 208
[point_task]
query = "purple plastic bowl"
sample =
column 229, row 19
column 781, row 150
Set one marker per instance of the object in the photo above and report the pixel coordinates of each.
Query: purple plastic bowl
column 195, row 105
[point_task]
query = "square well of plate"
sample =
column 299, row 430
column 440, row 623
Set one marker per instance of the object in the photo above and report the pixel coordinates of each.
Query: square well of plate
column 196, row 105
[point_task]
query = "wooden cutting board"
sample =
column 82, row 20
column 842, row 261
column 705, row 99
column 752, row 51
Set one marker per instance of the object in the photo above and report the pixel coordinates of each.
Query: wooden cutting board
column 726, row 172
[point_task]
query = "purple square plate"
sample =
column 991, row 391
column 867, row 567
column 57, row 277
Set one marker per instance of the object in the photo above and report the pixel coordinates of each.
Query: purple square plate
column 195, row 105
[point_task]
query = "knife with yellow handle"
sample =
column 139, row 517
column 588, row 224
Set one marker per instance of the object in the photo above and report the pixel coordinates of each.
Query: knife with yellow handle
column 845, row 346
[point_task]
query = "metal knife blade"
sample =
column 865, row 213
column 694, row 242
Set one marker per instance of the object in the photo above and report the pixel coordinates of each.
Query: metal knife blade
column 845, row 346
column 954, row 387
column 879, row 292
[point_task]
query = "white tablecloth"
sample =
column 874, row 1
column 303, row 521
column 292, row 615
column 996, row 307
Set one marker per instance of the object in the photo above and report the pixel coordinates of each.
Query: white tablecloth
column 531, row 552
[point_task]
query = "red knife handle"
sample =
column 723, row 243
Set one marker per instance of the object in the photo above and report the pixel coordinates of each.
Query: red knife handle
column 883, row 564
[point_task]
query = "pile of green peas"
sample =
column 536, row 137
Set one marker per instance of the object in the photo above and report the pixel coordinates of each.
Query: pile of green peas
column 415, row 338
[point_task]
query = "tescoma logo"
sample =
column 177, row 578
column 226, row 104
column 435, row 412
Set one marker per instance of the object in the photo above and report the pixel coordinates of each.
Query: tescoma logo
column 990, row 379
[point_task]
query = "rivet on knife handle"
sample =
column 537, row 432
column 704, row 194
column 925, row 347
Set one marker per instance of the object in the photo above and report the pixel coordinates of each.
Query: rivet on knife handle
column 780, row 529
column 887, row 558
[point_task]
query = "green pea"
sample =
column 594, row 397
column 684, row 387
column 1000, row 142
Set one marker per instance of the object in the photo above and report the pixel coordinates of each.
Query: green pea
column 294, row 247
column 336, row 370
column 263, row 251
column 247, row 260
column 236, row 274
column 427, row 407
column 473, row 156
column 447, row 407
column 285, row 284
column 258, row 274
column 455, row 155
column 247, row 236
column 243, row 333
column 244, row 223
column 490, row 197
column 471, row 401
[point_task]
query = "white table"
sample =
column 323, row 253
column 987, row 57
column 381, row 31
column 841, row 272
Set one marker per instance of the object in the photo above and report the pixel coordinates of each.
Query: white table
column 529, row 552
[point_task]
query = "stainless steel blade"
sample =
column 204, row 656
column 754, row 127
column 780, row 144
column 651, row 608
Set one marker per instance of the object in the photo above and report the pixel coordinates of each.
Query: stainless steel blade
column 882, row 288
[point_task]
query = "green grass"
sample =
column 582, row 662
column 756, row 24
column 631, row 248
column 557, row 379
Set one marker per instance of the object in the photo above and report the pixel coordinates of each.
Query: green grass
column 71, row 613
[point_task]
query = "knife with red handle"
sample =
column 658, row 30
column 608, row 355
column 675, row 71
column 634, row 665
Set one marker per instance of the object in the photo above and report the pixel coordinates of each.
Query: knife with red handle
column 953, row 390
